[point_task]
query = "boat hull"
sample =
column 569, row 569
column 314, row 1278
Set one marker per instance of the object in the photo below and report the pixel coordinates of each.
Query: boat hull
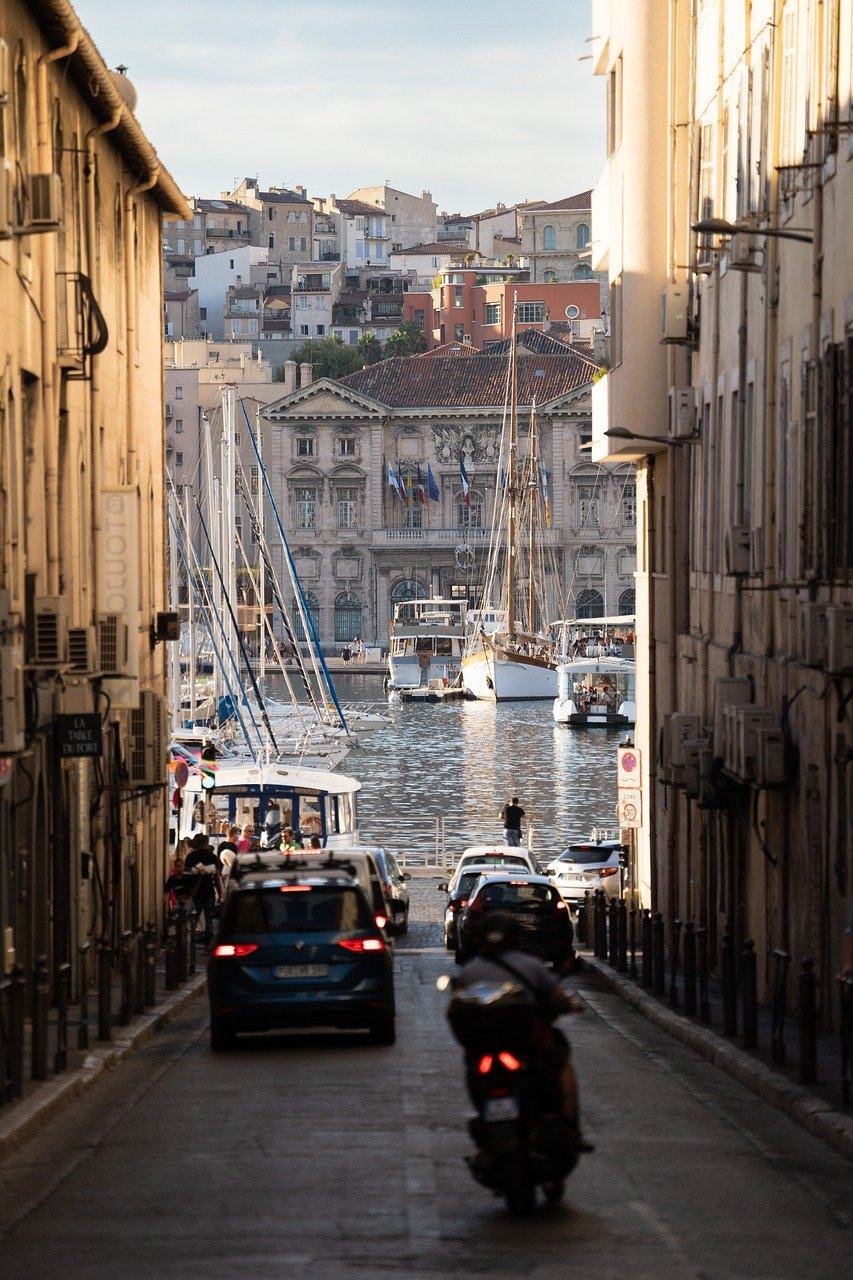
column 492, row 677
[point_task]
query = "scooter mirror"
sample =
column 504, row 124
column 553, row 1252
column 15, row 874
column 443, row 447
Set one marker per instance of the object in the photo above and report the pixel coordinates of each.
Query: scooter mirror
column 445, row 982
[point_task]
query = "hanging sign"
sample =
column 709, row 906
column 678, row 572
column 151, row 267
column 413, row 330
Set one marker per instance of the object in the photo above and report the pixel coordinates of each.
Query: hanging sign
column 78, row 736
column 628, row 768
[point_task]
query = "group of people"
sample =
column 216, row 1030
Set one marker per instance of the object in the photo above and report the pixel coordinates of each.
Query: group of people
column 353, row 652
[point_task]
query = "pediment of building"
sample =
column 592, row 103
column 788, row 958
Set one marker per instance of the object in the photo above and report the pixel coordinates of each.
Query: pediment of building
column 322, row 399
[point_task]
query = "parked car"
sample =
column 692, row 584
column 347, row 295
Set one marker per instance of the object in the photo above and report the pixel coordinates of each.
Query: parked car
column 396, row 889
column 299, row 946
column 500, row 855
column 457, row 896
column 543, row 917
column 585, row 867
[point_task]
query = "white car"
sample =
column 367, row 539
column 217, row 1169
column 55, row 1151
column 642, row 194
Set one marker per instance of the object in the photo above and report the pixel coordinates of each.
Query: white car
column 586, row 866
column 496, row 855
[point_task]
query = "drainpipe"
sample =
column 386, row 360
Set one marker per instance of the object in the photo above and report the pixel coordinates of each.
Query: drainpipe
column 95, row 459
column 652, row 684
column 48, row 326
column 740, row 460
column 144, row 184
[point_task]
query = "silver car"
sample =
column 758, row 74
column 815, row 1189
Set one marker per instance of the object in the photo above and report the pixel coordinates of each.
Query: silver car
column 584, row 867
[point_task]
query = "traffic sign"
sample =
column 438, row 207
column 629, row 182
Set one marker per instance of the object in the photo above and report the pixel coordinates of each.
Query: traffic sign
column 630, row 809
column 628, row 768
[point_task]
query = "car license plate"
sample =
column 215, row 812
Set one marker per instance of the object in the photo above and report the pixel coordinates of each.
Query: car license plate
column 501, row 1109
column 301, row 971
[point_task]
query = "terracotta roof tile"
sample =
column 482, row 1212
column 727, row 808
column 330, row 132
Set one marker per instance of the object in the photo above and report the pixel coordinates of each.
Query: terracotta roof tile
column 360, row 208
column 583, row 200
column 282, row 197
column 453, row 247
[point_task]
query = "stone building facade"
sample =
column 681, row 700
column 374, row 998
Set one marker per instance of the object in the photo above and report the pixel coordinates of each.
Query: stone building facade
column 359, row 549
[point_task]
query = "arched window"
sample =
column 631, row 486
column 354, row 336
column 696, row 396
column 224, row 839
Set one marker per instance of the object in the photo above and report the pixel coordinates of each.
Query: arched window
column 550, row 277
column 590, row 604
column 408, row 589
column 583, row 271
column 312, row 604
column 627, row 602
column 549, row 237
column 470, row 517
column 348, row 612
column 582, row 235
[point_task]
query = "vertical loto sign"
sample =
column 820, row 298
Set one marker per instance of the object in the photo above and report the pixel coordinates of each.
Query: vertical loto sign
column 629, row 796
column 119, row 585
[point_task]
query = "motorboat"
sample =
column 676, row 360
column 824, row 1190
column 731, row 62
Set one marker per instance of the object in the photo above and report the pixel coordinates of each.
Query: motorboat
column 427, row 639
column 597, row 675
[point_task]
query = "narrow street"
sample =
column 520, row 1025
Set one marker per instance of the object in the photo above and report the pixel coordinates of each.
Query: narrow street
column 320, row 1158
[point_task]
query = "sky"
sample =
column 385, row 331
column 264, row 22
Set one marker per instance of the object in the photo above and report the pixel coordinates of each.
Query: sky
column 474, row 100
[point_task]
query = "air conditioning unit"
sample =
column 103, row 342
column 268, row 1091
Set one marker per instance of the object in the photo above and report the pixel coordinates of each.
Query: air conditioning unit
column 6, row 189
column 738, row 550
column 5, row 73
column 675, row 303
column 756, row 553
column 839, row 640
column 78, row 699
column 744, row 253
column 146, row 764
column 769, row 767
column 749, row 720
column 11, row 699
column 813, row 634
column 682, row 728
column 682, row 412
column 50, row 631
column 728, row 691
column 112, row 644
column 82, row 650
column 698, row 763
column 45, row 200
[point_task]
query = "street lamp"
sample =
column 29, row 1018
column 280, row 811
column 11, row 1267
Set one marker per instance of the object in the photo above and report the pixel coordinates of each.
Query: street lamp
column 622, row 433
column 720, row 227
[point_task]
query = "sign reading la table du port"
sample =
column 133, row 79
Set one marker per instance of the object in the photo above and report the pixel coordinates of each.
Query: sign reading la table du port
column 628, row 768
column 78, row 736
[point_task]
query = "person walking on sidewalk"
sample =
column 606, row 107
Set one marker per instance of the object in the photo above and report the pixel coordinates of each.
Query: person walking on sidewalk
column 511, row 815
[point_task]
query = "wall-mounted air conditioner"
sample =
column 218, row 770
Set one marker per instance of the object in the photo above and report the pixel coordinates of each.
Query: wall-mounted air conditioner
column 112, row 644
column 11, row 699
column 728, row 691
column 146, row 763
column 45, row 205
column 738, row 550
column 744, row 252
column 82, row 650
column 756, row 553
column 675, row 316
column 683, row 727
column 682, row 413
column 749, row 720
column 698, row 764
column 5, row 74
column 813, row 634
column 50, row 631
column 769, row 767
column 6, row 187
column 839, row 640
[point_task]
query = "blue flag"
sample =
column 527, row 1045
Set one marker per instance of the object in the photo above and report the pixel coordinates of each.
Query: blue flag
column 432, row 485
column 393, row 480
column 466, row 485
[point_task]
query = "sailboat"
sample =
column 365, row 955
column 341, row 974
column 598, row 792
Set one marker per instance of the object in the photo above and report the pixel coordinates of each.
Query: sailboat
column 507, row 656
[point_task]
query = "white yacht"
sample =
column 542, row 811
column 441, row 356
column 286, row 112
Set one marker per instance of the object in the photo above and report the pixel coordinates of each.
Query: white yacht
column 427, row 639
column 596, row 676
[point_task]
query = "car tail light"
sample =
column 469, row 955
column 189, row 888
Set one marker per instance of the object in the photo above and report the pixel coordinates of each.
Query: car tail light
column 381, row 921
column 362, row 944
column 509, row 1061
column 607, row 871
column 484, row 1066
column 233, row 950
column 561, row 906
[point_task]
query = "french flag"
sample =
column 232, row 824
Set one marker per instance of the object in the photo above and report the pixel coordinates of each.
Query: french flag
column 466, row 484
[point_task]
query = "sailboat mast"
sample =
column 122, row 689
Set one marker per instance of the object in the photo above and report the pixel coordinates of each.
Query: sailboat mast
column 534, row 502
column 193, row 658
column 262, row 585
column 511, row 512
column 175, row 602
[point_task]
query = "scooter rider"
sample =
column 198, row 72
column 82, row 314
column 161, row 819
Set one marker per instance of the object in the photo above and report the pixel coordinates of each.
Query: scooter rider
column 496, row 960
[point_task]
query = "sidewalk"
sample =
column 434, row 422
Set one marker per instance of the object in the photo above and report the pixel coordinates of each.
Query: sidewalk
column 21, row 1118
column 819, row 1108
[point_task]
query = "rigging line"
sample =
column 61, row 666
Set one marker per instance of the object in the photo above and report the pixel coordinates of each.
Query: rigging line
column 310, row 630
column 238, row 636
column 606, row 532
column 205, row 621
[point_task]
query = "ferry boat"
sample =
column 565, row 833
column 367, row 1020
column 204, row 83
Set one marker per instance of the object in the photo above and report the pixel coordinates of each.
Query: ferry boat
column 426, row 643
column 596, row 677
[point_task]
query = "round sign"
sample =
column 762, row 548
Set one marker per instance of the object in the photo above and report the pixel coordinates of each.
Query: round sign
column 629, row 761
column 182, row 773
column 629, row 812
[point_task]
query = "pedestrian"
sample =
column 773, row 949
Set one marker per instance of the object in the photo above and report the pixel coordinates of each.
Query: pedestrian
column 244, row 844
column 228, row 851
column 315, row 843
column 346, row 653
column 288, row 841
column 173, row 881
column 202, row 864
column 272, row 828
column 511, row 815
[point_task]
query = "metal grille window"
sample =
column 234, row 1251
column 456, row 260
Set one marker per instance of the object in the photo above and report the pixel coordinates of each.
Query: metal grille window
column 629, row 505
column 588, row 506
column 470, row 517
column 530, row 312
column 306, row 508
column 348, row 611
column 312, row 608
column 347, row 508
column 253, row 480
column 590, row 604
column 627, row 603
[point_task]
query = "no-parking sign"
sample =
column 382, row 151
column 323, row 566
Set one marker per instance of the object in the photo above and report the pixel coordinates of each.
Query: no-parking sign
column 628, row 768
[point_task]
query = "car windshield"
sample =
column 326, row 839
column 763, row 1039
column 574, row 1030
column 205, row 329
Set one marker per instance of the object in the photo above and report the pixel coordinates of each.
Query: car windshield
column 466, row 882
column 518, row 897
column 496, row 859
column 296, row 908
column 587, row 856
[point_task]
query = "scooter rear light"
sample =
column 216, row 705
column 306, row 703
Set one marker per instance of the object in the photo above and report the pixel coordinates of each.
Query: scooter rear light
column 381, row 921
column 509, row 1061
column 484, row 1066
column 234, row 950
column 561, row 906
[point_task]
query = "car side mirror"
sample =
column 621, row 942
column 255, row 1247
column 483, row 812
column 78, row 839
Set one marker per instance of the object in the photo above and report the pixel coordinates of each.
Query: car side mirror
column 442, row 888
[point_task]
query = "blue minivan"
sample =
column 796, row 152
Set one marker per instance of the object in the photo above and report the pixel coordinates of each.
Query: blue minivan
column 299, row 947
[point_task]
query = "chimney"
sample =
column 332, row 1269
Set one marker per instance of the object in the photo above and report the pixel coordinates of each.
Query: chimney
column 306, row 374
column 300, row 191
column 289, row 376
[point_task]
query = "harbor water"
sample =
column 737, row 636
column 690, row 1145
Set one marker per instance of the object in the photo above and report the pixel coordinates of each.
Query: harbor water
column 462, row 761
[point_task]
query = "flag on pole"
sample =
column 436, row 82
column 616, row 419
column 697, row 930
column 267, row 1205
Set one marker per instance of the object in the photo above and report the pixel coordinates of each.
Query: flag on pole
column 420, row 490
column 394, row 481
column 408, row 486
column 546, row 496
column 432, row 485
column 466, row 484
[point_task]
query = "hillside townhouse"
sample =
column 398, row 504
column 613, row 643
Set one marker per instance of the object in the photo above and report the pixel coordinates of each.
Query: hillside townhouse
column 411, row 219
column 555, row 239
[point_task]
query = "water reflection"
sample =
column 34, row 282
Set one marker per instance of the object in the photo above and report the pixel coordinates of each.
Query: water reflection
column 463, row 761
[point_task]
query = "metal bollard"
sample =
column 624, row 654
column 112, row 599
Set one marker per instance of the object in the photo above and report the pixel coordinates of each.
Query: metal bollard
column 60, row 1058
column 779, row 1008
column 632, row 941
column 846, row 1001
column 658, row 956
column 808, row 1022
column 126, row 969
column 171, row 952
column 674, row 957
column 646, row 940
column 150, row 951
column 139, row 975
column 583, row 921
column 612, row 939
column 105, row 989
column 689, row 969
column 749, row 995
column 41, row 989
column 181, row 948
column 622, row 936
column 702, row 973
column 83, row 984
column 729, row 985
column 17, row 1002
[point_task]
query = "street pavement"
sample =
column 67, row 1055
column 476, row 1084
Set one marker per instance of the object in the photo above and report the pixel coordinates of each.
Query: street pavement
column 321, row 1157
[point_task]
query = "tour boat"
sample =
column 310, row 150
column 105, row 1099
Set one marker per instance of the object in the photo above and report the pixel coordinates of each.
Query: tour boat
column 596, row 677
column 509, row 659
column 427, row 638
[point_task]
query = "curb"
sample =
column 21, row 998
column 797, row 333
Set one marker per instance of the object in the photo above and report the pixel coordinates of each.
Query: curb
column 55, row 1095
column 821, row 1119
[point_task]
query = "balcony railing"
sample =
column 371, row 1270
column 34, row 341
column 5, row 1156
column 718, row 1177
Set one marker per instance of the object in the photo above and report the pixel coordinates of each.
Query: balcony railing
column 390, row 537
